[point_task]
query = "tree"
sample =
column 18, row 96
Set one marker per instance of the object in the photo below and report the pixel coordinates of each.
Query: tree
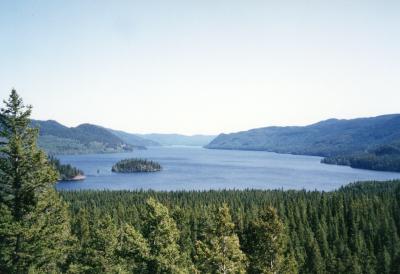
column 314, row 260
column 162, row 235
column 266, row 236
column 133, row 249
column 221, row 252
column 99, row 254
column 34, row 229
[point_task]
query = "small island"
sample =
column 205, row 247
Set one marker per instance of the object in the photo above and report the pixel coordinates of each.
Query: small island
column 135, row 165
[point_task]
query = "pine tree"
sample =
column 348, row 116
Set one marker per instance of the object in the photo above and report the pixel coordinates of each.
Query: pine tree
column 162, row 235
column 102, row 246
column 266, row 236
column 35, row 232
column 133, row 249
column 314, row 261
column 221, row 253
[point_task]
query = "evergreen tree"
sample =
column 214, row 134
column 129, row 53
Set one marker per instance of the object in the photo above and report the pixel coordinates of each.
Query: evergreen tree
column 102, row 246
column 221, row 253
column 162, row 235
column 266, row 242
column 34, row 229
column 314, row 260
column 133, row 250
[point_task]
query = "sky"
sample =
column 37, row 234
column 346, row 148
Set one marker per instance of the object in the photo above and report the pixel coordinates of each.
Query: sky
column 201, row 67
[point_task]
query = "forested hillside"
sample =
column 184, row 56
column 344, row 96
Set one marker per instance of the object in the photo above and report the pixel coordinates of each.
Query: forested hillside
column 355, row 229
column 56, row 138
column 327, row 138
column 366, row 143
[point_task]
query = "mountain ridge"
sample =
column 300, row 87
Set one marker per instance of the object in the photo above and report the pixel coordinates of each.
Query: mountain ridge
column 325, row 138
column 55, row 138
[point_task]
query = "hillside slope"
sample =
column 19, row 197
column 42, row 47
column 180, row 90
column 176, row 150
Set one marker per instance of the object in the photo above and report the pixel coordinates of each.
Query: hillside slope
column 327, row 138
column 56, row 138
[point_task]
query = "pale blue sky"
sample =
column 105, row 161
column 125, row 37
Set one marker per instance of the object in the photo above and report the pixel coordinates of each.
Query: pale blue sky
column 201, row 66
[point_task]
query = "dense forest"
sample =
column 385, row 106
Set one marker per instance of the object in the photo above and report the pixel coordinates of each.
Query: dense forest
column 135, row 165
column 351, row 230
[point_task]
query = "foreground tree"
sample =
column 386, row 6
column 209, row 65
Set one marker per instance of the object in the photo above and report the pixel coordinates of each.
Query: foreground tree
column 266, row 237
column 133, row 250
column 220, row 252
column 162, row 235
column 34, row 222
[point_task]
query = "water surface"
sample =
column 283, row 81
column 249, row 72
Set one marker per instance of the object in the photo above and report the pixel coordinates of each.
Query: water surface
column 195, row 168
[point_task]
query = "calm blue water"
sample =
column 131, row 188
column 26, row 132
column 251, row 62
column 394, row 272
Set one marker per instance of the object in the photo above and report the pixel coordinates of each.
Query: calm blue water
column 192, row 168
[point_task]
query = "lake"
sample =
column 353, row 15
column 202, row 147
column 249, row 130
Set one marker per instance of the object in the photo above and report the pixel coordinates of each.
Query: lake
column 196, row 168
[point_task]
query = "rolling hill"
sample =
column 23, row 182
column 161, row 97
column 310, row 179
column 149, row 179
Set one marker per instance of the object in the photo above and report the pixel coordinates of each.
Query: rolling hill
column 328, row 138
column 56, row 138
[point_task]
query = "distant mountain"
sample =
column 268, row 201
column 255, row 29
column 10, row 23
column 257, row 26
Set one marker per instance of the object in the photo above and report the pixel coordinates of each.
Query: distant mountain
column 134, row 139
column 178, row 139
column 56, row 138
column 328, row 138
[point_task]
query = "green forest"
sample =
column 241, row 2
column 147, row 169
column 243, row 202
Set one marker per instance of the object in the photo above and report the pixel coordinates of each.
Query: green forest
column 354, row 229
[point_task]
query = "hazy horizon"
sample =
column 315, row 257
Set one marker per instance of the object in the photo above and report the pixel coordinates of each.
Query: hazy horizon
column 204, row 67
column 205, row 134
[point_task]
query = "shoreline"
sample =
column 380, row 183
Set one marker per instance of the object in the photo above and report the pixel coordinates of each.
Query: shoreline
column 74, row 179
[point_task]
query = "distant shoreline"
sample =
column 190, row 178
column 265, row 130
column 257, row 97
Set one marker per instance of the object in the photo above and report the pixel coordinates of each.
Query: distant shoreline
column 75, row 179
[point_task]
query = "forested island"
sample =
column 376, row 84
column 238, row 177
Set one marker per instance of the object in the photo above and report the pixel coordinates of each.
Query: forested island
column 135, row 165
column 66, row 172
